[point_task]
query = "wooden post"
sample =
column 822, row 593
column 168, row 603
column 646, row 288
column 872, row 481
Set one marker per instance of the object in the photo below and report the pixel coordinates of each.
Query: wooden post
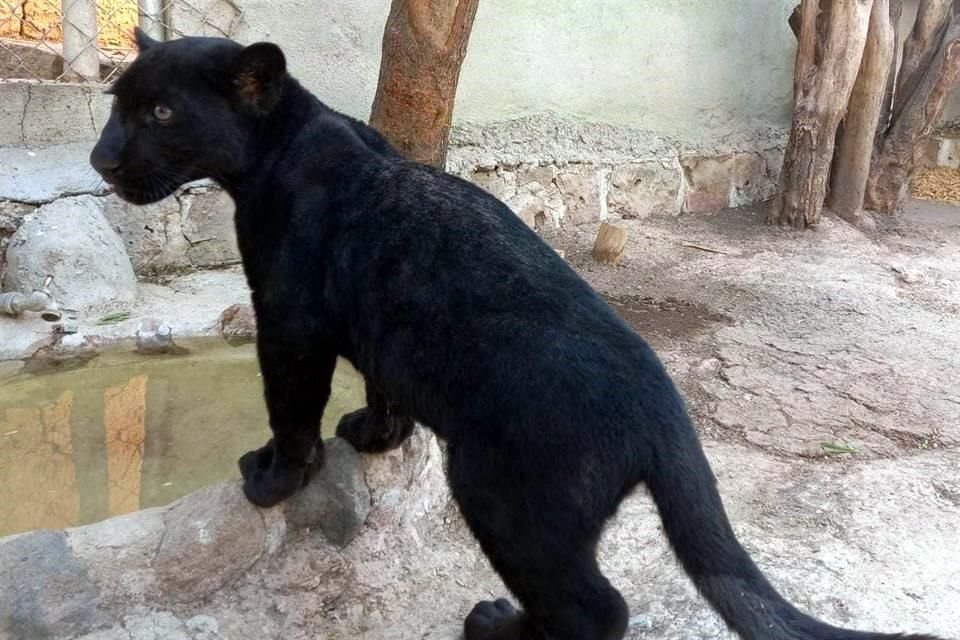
column 820, row 104
column 610, row 243
column 851, row 166
column 424, row 44
column 81, row 60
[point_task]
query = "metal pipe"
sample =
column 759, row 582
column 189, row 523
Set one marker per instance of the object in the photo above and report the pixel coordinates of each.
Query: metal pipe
column 15, row 303
column 151, row 18
column 81, row 58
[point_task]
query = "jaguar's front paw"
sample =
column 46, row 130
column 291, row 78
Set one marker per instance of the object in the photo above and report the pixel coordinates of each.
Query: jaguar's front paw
column 268, row 480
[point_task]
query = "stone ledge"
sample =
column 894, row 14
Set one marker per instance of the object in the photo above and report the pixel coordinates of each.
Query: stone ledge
column 87, row 578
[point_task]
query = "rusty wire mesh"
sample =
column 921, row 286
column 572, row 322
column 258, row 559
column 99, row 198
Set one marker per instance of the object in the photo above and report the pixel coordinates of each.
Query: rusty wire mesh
column 32, row 33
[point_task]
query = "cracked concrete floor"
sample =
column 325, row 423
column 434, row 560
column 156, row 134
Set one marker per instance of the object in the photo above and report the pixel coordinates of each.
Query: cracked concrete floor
column 821, row 369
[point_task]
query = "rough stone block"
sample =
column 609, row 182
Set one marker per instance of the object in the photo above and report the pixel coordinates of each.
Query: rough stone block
column 336, row 499
column 207, row 220
column 530, row 208
column 728, row 180
column 211, row 537
column 580, row 189
column 45, row 590
column 13, row 100
column 43, row 174
column 645, row 188
column 151, row 233
column 499, row 183
column 59, row 112
column 71, row 240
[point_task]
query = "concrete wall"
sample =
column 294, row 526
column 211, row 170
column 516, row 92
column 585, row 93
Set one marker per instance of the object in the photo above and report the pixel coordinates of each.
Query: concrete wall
column 688, row 69
column 569, row 111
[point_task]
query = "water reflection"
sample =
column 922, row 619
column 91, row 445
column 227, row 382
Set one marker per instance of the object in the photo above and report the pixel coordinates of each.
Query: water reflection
column 127, row 432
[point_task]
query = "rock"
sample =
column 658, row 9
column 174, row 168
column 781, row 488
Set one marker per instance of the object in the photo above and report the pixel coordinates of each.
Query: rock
column 238, row 324
column 154, row 338
column 204, row 628
column 119, row 554
column 408, row 482
column 71, row 240
column 45, row 591
column 580, row 188
column 11, row 217
column 160, row 625
column 151, row 233
column 336, row 500
column 211, row 537
column 209, row 229
column 643, row 189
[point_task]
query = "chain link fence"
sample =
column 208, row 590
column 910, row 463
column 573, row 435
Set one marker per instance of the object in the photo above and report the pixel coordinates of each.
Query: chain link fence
column 92, row 40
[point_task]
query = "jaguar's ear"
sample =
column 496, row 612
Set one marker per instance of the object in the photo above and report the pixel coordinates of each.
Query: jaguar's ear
column 258, row 74
column 143, row 41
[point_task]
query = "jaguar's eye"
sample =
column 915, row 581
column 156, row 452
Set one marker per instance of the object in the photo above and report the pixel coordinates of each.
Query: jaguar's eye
column 162, row 113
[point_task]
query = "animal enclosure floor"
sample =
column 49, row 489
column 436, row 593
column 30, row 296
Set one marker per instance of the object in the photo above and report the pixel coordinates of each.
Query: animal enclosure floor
column 822, row 370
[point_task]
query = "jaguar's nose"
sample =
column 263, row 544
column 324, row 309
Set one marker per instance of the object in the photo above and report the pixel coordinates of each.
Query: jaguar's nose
column 107, row 165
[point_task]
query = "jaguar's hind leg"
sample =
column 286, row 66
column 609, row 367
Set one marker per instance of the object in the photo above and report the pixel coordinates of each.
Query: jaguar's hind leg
column 542, row 543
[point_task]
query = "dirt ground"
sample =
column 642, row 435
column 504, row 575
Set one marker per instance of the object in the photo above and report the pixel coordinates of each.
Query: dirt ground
column 822, row 370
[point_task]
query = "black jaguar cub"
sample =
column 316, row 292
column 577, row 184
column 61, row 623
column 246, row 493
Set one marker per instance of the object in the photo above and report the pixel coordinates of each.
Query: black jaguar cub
column 459, row 317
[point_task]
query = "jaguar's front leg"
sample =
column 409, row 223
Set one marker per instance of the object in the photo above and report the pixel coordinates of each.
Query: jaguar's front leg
column 380, row 426
column 296, row 380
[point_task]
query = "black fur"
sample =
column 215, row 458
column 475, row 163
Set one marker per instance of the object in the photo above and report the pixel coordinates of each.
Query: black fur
column 460, row 317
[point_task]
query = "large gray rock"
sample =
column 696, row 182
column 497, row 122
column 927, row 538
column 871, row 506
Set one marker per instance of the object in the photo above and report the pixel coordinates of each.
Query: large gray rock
column 119, row 554
column 337, row 499
column 45, row 590
column 212, row 537
column 71, row 240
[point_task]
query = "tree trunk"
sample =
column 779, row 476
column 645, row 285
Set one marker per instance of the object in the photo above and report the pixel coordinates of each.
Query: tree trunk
column 920, row 47
column 821, row 102
column 424, row 43
column 893, row 168
column 805, row 29
column 851, row 166
column 889, row 93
